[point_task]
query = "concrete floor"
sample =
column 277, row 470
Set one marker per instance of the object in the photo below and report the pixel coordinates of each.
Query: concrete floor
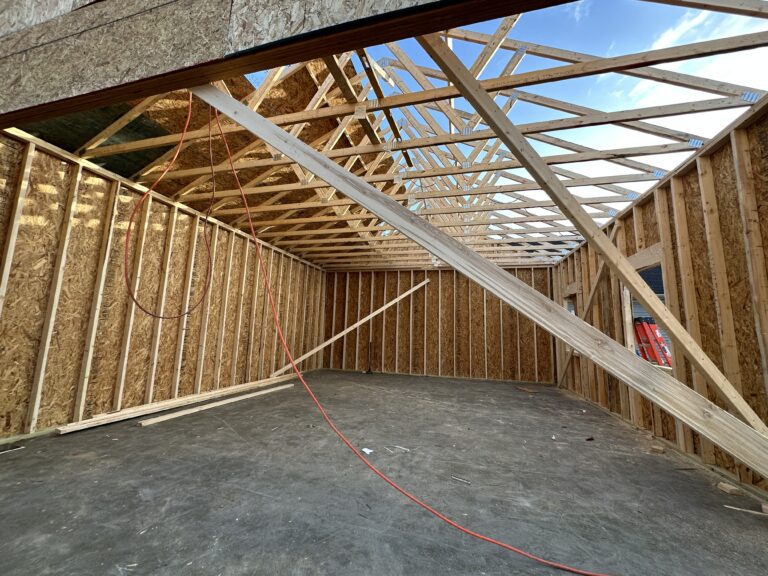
column 264, row 487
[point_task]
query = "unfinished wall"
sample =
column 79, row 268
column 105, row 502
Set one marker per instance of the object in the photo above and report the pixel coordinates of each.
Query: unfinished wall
column 450, row 327
column 72, row 343
column 706, row 227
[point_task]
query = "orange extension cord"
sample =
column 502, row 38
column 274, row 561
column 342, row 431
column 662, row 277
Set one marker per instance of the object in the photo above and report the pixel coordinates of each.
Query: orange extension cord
column 309, row 391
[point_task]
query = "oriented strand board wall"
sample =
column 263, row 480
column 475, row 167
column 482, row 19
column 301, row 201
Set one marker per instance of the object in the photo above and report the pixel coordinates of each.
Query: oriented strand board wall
column 451, row 327
column 98, row 353
column 708, row 223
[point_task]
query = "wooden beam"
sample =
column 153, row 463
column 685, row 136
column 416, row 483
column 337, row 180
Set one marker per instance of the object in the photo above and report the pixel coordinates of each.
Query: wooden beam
column 206, row 311
column 647, row 257
column 742, row 441
column 138, row 258
column 196, row 409
column 186, row 302
column 587, row 307
column 754, row 8
column 158, row 322
column 554, row 74
column 143, row 410
column 517, row 143
column 753, row 239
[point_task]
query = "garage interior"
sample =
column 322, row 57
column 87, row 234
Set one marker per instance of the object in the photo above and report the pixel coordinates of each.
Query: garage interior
column 408, row 288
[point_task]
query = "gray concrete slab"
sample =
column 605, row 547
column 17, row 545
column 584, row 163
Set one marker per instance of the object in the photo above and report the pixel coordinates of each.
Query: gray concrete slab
column 264, row 487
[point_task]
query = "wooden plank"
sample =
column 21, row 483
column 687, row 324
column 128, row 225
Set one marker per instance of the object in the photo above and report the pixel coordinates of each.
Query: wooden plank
column 587, row 307
column 515, row 141
column 754, row 8
column 351, row 328
column 36, row 393
column 239, row 315
column 683, row 434
column 180, row 413
column 158, row 322
column 647, row 257
column 185, row 304
column 98, row 292
column 689, row 293
column 138, row 254
column 753, row 239
column 137, row 411
column 206, row 310
column 742, row 441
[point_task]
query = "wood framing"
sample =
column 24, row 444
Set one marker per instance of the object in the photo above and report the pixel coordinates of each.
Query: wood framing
column 742, row 441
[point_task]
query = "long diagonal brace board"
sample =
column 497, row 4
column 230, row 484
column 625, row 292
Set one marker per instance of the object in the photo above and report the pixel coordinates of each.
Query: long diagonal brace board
column 734, row 436
column 349, row 329
column 508, row 133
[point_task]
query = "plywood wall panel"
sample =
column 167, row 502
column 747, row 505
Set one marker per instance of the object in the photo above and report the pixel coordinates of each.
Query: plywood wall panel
column 432, row 323
column 544, row 351
column 403, row 356
column 477, row 331
column 526, row 335
column 250, row 271
column 463, row 327
column 447, row 322
column 363, row 336
column 377, row 323
column 11, row 153
column 351, row 316
column 109, row 335
column 230, row 315
column 390, row 323
column 30, row 277
column 494, row 337
column 68, row 342
column 215, row 304
column 201, row 272
column 148, row 295
column 163, row 388
column 418, row 307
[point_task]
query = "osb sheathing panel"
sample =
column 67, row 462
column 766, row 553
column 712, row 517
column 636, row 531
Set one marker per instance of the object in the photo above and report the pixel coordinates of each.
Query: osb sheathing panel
column 166, row 354
column 215, row 302
column 526, row 335
column 10, row 166
column 510, row 341
column 544, row 360
column 433, row 327
column 629, row 230
column 462, row 319
column 200, row 289
column 364, row 332
column 758, row 141
column 245, row 319
column 330, row 300
column 230, row 319
column 447, row 322
column 477, row 331
column 403, row 356
column 732, row 230
column 109, row 335
column 148, row 295
column 390, row 323
column 377, row 323
column 353, row 299
column 68, row 340
column 269, row 336
column 262, row 317
column 418, row 309
column 28, row 286
column 650, row 224
column 493, row 336
column 338, row 320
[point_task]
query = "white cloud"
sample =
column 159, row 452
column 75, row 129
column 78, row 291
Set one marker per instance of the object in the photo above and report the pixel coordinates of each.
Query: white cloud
column 579, row 10
column 671, row 36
